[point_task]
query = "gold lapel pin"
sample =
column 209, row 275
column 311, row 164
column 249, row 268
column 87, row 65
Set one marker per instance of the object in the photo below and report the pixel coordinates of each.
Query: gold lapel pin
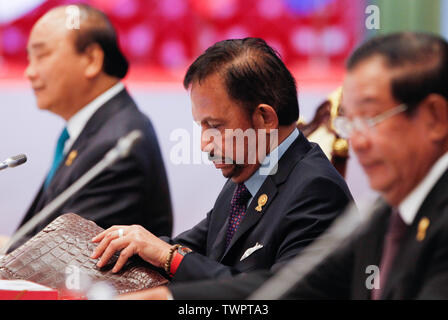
column 422, row 226
column 71, row 156
column 261, row 202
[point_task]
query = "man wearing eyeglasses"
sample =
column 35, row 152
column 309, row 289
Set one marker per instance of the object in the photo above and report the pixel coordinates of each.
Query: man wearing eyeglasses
column 395, row 103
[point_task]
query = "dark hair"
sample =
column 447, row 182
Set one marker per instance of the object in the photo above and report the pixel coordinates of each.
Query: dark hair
column 252, row 72
column 100, row 30
column 421, row 60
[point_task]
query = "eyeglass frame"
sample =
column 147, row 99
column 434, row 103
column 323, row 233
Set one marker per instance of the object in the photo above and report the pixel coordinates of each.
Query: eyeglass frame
column 359, row 123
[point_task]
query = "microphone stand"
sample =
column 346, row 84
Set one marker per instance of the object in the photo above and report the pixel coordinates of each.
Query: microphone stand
column 293, row 272
column 121, row 150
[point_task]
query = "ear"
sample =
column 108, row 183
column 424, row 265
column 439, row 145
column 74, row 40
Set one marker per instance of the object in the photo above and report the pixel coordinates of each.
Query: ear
column 95, row 58
column 436, row 117
column 265, row 117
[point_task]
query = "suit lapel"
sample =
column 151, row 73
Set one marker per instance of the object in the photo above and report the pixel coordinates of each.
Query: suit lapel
column 370, row 248
column 101, row 116
column 92, row 126
column 252, row 216
column 220, row 222
column 410, row 247
column 286, row 164
column 59, row 181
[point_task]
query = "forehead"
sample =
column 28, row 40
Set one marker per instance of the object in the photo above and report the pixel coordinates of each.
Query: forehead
column 367, row 85
column 49, row 30
column 210, row 100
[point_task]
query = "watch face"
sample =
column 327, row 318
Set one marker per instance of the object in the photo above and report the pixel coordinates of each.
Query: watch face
column 184, row 250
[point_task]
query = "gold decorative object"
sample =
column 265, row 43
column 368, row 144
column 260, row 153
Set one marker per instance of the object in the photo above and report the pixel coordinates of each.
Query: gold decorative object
column 261, row 202
column 72, row 155
column 422, row 227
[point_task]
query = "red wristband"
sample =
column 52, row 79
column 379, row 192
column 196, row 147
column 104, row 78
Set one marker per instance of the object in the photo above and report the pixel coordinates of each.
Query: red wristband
column 177, row 259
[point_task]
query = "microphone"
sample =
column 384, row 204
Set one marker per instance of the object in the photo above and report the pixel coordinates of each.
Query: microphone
column 121, row 150
column 14, row 161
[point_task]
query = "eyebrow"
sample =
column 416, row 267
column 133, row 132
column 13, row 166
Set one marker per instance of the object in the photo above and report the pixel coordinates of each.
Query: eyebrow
column 363, row 101
column 208, row 119
column 369, row 100
column 36, row 45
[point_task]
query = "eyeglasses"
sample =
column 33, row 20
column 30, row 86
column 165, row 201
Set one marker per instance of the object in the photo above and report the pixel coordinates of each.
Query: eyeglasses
column 344, row 127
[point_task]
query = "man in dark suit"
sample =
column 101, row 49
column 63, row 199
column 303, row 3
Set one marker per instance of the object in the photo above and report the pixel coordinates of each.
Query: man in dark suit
column 75, row 73
column 273, row 204
column 395, row 100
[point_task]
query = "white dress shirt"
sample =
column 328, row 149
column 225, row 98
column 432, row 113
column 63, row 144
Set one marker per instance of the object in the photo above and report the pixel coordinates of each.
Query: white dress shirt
column 78, row 121
column 411, row 204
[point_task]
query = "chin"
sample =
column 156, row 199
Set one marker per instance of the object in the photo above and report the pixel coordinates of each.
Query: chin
column 379, row 178
column 231, row 172
column 393, row 197
column 377, row 184
column 43, row 105
column 382, row 185
column 228, row 172
column 238, row 175
column 237, row 180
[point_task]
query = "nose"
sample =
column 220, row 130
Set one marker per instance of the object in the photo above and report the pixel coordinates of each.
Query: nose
column 359, row 141
column 30, row 71
column 206, row 144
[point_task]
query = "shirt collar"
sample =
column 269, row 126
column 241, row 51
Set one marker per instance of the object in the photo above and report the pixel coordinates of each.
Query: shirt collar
column 411, row 204
column 77, row 122
column 254, row 183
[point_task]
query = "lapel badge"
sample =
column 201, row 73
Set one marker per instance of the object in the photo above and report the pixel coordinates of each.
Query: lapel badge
column 422, row 226
column 71, row 156
column 261, row 202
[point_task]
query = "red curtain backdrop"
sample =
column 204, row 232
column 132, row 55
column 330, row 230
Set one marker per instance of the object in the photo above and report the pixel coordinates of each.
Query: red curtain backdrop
column 162, row 37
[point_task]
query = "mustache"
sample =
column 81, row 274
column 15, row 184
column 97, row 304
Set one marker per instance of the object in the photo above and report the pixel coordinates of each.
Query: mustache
column 213, row 157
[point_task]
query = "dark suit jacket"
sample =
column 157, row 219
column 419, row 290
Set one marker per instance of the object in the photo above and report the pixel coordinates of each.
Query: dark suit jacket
column 419, row 271
column 132, row 191
column 304, row 197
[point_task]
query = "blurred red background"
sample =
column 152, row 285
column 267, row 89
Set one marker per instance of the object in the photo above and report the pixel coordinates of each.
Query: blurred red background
column 161, row 38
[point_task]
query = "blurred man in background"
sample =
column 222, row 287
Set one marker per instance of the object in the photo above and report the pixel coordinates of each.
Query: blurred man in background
column 75, row 72
column 395, row 99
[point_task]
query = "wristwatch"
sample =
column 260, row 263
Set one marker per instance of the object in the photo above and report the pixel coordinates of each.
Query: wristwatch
column 177, row 258
column 182, row 250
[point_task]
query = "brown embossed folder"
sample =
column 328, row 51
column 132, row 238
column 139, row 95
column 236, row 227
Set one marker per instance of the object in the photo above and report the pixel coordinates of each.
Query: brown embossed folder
column 65, row 244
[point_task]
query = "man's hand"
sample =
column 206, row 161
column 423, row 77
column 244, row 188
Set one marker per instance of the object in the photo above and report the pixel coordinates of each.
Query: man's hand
column 159, row 293
column 131, row 240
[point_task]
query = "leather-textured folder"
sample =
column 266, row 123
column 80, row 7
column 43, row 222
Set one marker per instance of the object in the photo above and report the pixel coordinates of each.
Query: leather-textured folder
column 63, row 247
